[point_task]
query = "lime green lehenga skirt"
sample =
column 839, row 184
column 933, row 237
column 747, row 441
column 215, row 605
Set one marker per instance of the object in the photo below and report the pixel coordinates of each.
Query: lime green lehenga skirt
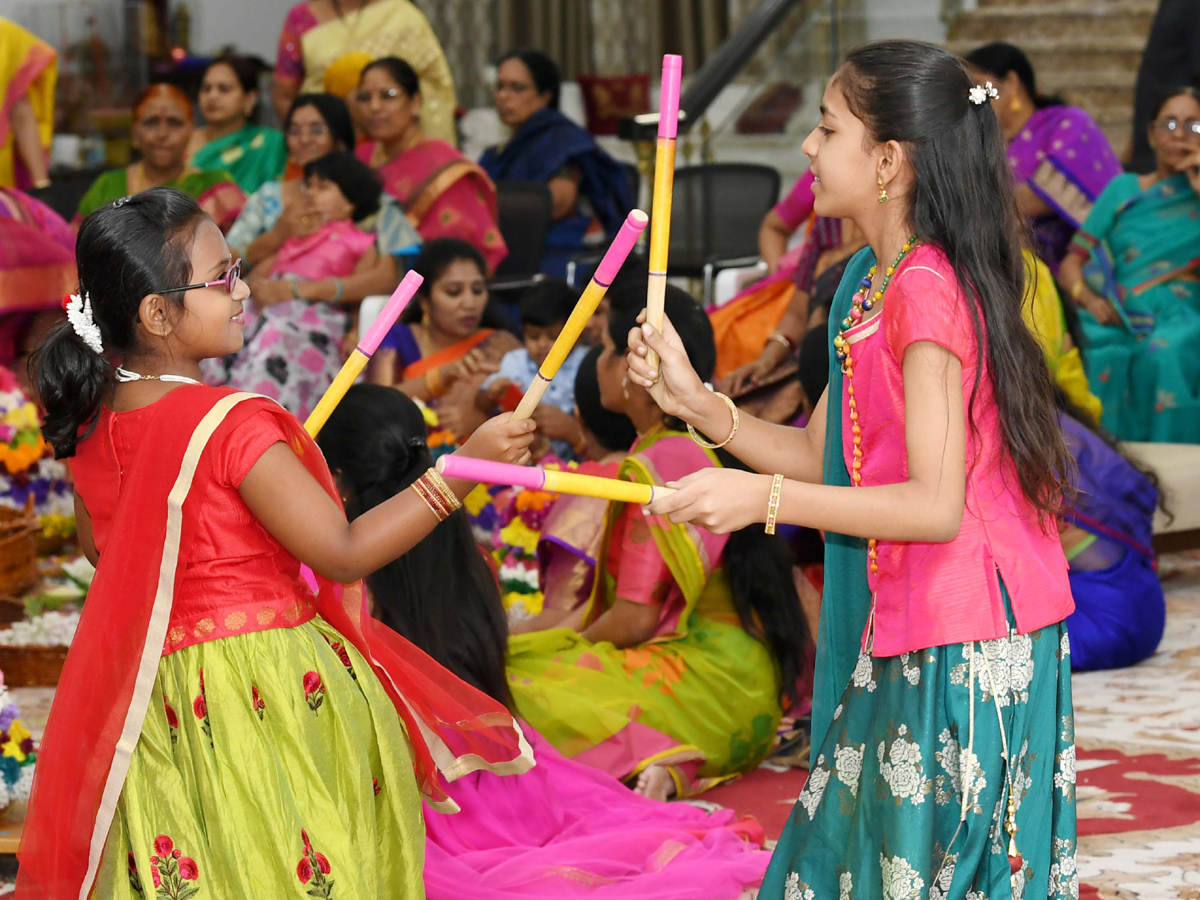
column 270, row 765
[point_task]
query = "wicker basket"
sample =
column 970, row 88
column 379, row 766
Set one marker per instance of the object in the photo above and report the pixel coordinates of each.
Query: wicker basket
column 18, row 550
column 32, row 666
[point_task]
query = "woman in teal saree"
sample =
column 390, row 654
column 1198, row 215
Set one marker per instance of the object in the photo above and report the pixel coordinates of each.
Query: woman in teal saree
column 1134, row 268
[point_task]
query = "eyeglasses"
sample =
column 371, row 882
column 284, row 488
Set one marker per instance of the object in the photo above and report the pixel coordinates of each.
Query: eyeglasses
column 315, row 130
column 229, row 281
column 1190, row 128
column 388, row 94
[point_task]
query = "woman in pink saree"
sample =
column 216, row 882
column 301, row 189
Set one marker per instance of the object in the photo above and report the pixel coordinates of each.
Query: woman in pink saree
column 563, row 829
column 443, row 192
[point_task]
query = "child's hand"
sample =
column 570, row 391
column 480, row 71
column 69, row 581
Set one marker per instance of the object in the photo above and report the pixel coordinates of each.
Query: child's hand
column 721, row 500
column 501, row 440
column 677, row 389
column 556, row 424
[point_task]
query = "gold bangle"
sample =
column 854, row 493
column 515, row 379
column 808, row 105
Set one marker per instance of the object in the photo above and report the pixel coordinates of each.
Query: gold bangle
column 433, row 381
column 782, row 339
column 1077, row 289
column 733, row 411
column 423, row 491
column 773, row 502
column 439, row 484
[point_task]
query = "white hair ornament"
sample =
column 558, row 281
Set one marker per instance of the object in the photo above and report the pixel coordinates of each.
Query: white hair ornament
column 79, row 314
column 980, row 94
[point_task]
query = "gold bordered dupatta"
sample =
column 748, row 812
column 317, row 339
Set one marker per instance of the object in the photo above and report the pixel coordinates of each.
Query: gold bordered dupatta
column 108, row 678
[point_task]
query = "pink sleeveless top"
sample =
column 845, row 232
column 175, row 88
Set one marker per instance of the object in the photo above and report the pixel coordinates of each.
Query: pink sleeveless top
column 930, row 594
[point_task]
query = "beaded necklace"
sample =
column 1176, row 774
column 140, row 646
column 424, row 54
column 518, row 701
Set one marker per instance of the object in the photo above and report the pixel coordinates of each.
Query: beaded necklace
column 863, row 302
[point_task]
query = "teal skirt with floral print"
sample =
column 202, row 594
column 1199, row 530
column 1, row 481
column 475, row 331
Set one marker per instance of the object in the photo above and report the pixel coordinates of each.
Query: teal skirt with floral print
column 883, row 814
column 270, row 765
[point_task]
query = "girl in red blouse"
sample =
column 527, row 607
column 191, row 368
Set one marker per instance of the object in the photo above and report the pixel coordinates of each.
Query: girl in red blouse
column 943, row 756
column 221, row 728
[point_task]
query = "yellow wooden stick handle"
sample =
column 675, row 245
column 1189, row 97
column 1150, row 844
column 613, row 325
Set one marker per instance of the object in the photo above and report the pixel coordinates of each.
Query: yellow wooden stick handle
column 559, row 482
column 660, row 236
column 332, row 397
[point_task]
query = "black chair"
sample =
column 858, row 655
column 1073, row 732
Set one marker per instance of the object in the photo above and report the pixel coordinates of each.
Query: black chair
column 716, row 212
column 524, row 209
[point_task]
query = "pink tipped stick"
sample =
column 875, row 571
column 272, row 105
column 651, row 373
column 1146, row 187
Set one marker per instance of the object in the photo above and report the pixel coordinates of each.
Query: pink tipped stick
column 390, row 313
column 668, row 98
column 631, row 229
column 488, row 472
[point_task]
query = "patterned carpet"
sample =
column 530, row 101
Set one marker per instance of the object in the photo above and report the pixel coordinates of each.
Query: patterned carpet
column 1138, row 734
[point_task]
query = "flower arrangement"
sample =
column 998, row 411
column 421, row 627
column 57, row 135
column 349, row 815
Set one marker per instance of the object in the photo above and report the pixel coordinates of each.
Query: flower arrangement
column 17, row 752
column 27, row 464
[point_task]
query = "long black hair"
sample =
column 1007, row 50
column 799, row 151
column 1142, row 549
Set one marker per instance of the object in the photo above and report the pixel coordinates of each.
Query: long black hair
column 335, row 113
column 759, row 564
column 999, row 58
column 400, row 71
column 547, row 79
column 613, row 430
column 962, row 201
column 440, row 594
column 125, row 250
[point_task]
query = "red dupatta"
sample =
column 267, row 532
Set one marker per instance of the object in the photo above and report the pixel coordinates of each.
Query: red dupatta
column 108, row 678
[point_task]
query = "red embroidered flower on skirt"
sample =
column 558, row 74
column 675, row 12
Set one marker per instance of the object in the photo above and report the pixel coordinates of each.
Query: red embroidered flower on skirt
column 314, row 690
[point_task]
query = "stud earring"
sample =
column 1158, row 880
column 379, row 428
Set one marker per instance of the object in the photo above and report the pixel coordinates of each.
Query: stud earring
column 883, row 197
column 1015, row 104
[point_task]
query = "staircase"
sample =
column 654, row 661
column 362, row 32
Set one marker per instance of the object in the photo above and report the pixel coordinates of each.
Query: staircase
column 1086, row 51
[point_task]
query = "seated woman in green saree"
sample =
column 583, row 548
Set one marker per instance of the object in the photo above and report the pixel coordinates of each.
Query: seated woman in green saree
column 1134, row 271
column 229, row 139
column 673, row 672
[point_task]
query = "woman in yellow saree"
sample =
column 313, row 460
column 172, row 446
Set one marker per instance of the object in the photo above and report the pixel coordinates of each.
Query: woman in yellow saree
column 673, row 672
column 28, row 72
column 317, row 33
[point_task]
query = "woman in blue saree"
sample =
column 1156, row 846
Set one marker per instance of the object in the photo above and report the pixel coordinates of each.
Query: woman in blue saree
column 591, row 192
column 1134, row 271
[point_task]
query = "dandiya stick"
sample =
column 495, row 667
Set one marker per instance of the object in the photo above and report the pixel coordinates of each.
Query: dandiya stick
column 538, row 479
column 664, row 189
column 362, row 353
column 618, row 250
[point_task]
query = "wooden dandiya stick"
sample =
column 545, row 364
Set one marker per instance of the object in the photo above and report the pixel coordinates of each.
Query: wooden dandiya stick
column 618, row 250
column 664, row 189
column 363, row 352
column 536, row 478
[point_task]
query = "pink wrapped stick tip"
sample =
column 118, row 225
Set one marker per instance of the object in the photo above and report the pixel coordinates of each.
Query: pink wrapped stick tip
column 488, row 472
column 668, row 98
column 390, row 313
column 619, row 249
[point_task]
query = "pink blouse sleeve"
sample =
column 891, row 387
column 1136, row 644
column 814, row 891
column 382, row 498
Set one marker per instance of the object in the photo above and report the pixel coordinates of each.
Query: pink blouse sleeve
column 245, row 446
column 924, row 303
column 643, row 576
column 798, row 204
column 289, row 57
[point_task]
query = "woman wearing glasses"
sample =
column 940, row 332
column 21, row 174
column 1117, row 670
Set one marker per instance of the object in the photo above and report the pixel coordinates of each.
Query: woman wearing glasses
column 443, row 192
column 1060, row 158
column 162, row 128
column 1134, row 273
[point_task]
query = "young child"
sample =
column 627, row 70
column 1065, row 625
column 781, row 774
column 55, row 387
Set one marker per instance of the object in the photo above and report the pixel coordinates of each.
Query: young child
column 219, row 725
column 544, row 311
column 943, row 760
column 343, row 190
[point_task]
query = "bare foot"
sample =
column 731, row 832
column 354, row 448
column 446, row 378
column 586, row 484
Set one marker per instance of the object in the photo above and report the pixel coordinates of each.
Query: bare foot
column 656, row 783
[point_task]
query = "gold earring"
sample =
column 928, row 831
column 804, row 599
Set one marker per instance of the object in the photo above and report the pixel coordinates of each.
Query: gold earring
column 883, row 197
column 1015, row 104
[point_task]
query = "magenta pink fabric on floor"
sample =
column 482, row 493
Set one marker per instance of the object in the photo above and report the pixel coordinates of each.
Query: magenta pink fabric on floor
column 567, row 830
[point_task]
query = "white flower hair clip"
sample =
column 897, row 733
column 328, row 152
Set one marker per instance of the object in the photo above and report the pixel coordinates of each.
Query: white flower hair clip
column 980, row 94
column 79, row 314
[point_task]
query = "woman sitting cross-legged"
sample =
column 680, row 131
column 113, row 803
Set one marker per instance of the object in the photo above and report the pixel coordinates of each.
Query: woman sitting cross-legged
column 674, row 670
column 550, row 831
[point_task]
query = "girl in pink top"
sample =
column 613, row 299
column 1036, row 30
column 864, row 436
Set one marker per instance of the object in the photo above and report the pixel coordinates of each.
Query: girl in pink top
column 943, row 753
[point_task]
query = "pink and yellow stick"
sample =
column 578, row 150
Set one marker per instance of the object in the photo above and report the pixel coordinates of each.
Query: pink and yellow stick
column 664, row 189
column 363, row 352
column 538, row 479
column 618, row 250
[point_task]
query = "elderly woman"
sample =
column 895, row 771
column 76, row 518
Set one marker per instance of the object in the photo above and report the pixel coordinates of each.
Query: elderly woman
column 1133, row 272
column 229, row 139
column 1060, row 158
column 317, row 34
column 162, row 127
column 445, row 194
column 591, row 190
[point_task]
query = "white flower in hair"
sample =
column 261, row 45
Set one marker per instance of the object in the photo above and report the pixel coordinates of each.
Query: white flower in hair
column 79, row 314
column 980, row 94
